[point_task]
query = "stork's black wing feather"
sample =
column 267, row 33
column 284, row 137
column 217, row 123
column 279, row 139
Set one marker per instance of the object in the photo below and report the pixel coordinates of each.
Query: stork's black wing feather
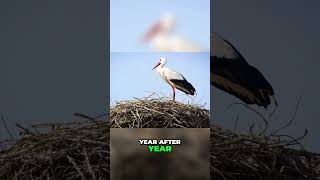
column 230, row 72
column 241, row 80
column 184, row 85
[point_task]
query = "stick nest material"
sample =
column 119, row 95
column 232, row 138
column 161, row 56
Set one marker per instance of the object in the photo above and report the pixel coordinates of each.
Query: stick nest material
column 80, row 150
column 68, row 151
column 158, row 113
column 247, row 156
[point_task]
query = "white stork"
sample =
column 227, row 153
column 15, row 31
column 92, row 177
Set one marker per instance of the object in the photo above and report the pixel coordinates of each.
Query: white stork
column 173, row 78
column 161, row 38
column 230, row 72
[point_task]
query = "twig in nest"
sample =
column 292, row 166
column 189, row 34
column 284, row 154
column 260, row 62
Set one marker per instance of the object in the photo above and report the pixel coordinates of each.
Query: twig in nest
column 256, row 112
column 291, row 120
column 23, row 130
column 7, row 129
column 84, row 116
column 71, row 160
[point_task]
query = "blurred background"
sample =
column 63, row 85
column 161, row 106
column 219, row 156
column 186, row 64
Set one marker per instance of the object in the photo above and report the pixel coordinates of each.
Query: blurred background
column 280, row 38
column 53, row 61
column 188, row 161
column 130, row 20
column 131, row 76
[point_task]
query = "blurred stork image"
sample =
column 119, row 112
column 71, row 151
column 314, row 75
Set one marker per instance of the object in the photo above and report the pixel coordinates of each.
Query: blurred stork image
column 173, row 78
column 161, row 38
column 230, row 72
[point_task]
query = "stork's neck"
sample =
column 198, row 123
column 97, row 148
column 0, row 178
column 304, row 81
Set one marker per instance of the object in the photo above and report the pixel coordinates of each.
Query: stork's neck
column 160, row 67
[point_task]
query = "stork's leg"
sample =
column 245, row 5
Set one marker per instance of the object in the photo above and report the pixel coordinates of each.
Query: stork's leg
column 173, row 94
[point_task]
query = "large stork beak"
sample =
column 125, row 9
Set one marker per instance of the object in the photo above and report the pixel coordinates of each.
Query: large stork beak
column 156, row 65
column 153, row 31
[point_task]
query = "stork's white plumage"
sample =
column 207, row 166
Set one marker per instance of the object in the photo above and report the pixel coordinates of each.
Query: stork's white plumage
column 161, row 38
column 173, row 78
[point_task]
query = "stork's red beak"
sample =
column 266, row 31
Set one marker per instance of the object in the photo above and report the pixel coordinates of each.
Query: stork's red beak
column 156, row 65
column 154, row 30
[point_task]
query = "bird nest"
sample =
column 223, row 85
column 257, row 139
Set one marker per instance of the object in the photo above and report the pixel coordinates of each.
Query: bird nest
column 248, row 156
column 80, row 150
column 158, row 113
column 77, row 150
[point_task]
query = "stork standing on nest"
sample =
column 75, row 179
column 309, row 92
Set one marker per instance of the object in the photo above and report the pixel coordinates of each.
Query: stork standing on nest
column 174, row 79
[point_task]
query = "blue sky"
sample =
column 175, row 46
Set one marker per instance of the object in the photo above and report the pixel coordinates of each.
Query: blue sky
column 129, row 19
column 131, row 75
